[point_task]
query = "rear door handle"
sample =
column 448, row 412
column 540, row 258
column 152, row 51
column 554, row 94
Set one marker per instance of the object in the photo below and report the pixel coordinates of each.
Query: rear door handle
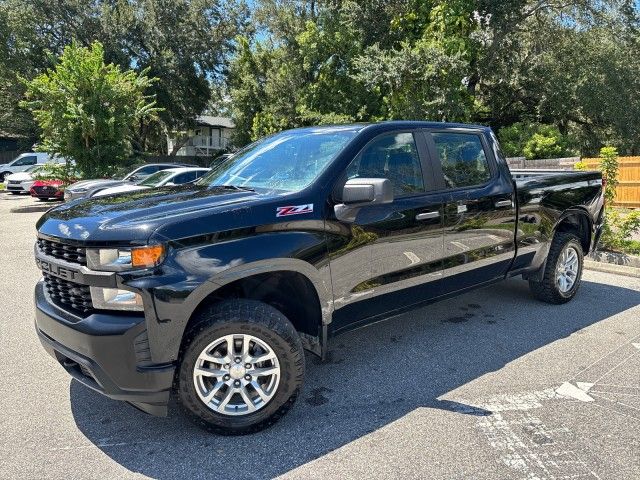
column 503, row 203
column 427, row 215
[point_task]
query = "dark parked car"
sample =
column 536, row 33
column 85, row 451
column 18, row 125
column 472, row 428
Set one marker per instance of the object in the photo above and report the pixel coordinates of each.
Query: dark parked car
column 212, row 291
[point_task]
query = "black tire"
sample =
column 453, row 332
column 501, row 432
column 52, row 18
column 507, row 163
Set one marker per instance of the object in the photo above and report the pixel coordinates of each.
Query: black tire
column 3, row 175
column 247, row 317
column 547, row 290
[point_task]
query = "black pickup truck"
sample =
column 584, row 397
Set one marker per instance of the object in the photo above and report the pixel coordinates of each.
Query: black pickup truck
column 213, row 290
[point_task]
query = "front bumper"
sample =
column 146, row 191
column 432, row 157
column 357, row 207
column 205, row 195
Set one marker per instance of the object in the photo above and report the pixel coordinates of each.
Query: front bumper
column 103, row 351
column 46, row 192
column 16, row 187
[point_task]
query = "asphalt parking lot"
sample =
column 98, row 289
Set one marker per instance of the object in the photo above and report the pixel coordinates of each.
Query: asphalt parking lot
column 490, row 385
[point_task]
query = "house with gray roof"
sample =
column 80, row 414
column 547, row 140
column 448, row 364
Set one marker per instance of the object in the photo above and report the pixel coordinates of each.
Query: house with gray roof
column 209, row 137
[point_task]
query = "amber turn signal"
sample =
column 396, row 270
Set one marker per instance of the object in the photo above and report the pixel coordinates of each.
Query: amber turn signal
column 147, row 256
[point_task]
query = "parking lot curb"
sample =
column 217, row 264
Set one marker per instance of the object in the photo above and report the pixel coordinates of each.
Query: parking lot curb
column 31, row 209
column 609, row 262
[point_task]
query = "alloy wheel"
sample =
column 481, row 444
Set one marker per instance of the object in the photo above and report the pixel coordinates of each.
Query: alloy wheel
column 236, row 374
column 567, row 269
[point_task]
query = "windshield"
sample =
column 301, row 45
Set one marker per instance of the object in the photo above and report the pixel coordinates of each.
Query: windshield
column 288, row 161
column 155, row 179
column 33, row 169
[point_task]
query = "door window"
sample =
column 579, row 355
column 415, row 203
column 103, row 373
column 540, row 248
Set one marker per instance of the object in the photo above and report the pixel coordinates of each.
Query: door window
column 393, row 156
column 463, row 160
column 25, row 161
column 184, row 178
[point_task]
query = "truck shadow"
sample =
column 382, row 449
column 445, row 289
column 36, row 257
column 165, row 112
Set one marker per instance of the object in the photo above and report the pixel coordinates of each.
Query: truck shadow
column 373, row 376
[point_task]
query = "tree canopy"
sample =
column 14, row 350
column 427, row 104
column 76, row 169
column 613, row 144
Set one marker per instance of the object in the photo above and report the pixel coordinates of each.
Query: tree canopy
column 185, row 44
column 566, row 68
column 570, row 67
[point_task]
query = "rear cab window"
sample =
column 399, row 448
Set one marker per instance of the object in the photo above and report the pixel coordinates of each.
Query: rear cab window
column 462, row 158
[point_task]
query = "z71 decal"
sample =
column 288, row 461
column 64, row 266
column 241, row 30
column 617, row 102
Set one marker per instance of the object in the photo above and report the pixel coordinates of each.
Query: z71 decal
column 294, row 210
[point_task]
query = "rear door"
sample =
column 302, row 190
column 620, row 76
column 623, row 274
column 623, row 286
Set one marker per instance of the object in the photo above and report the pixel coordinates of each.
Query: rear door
column 390, row 256
column 479, row 214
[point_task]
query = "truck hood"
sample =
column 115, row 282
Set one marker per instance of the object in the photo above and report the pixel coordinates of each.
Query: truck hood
column 134, row 217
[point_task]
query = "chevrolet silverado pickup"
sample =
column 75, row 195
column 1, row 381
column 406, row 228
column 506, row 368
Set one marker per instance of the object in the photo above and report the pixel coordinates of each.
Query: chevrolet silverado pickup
column 213, row 291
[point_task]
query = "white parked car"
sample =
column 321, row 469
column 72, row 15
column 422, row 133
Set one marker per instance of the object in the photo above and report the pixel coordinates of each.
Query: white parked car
column 23, row 161
column 164, row 178
column 21, row 182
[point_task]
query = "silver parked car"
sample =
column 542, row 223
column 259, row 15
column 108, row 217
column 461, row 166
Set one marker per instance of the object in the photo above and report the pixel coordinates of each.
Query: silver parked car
column 88, row 188
column 165, row 178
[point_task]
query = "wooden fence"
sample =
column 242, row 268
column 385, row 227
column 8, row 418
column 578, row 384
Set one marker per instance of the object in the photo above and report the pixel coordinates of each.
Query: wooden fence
column 628, row 191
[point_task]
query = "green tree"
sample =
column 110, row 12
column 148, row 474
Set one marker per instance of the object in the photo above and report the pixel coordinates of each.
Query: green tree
column 185, row 44
column 87, row 110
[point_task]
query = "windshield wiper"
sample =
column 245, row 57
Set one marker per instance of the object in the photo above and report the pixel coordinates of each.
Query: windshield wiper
column 234, row 187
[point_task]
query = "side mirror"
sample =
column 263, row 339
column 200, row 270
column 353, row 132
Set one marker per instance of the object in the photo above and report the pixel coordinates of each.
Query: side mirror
column 367, row 190
column 359, row 192
column 133, row 178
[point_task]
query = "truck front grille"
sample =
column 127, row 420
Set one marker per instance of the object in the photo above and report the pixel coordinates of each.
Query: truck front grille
column 68, row 294
column 63, row 251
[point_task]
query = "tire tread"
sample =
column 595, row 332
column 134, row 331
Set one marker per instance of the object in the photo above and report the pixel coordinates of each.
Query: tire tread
column 251, row 311
column 546, row 289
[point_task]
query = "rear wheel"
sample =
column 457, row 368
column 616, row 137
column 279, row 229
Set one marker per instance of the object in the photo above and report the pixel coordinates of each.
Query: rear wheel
column 563, row 270
column 242, row 367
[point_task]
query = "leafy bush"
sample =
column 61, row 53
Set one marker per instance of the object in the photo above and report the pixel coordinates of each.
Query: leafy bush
column 580, row 166
column 609, row 167
column 88, row 110
column 56, row 171
column 534, row 140
column 618, row 228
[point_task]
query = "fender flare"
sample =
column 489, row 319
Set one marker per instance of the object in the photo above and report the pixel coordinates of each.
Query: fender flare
column 321, row 283
column 576, row 211
column 537, row 275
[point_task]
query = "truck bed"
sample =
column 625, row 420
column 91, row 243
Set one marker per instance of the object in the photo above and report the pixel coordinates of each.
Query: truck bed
column 523, row 175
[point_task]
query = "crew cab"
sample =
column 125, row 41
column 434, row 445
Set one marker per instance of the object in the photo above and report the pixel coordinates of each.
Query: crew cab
column 212, row 291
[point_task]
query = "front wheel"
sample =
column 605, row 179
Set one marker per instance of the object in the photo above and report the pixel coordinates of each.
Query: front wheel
column 563, row 270
column 242, row 367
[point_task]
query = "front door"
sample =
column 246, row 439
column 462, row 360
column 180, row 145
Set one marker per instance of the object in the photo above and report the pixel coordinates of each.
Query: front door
column 390, row 256
column 479, row 209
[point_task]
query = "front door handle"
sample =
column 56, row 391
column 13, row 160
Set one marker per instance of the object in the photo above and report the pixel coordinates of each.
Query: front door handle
column 427, row 215
column 503, row 203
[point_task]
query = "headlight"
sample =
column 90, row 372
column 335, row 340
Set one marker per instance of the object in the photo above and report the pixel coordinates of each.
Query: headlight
column 115, row 299
column 119, row 259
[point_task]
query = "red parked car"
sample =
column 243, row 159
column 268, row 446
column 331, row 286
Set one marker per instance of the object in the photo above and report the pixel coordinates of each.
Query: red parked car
column 47, row 189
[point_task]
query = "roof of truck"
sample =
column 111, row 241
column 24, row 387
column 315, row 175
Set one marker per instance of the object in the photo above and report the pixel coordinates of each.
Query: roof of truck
column 394, row 124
